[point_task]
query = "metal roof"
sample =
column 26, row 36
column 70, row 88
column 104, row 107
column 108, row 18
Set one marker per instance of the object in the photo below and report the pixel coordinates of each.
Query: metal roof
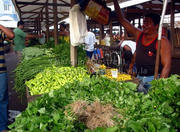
column 31, row 10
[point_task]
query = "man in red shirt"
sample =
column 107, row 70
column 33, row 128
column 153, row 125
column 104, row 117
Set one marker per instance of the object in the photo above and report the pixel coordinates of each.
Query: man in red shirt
column 146, row 40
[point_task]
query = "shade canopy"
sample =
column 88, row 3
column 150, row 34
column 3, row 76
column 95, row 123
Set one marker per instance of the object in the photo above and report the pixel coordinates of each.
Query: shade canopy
column 34, row 11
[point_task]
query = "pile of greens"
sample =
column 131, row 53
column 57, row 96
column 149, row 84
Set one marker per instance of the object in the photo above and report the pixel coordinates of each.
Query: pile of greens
column 157, row 111
column 31, row 52
column 53, row 78
column 27, row 69
column 38, row 58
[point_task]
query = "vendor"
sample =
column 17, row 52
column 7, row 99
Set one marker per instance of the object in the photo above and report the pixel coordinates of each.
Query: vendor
column 146, row 47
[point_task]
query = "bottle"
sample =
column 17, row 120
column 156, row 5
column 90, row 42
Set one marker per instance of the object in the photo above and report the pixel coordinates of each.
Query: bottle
column 96, row 9
column 107, row 40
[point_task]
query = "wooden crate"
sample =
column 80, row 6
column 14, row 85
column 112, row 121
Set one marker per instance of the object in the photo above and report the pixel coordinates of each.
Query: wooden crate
column 29, row 97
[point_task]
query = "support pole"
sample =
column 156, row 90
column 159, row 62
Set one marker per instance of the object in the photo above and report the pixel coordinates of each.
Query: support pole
column 55, row 22
column 39, row 26
column 111, row 29
column 47, row 23
column 101, row 33
column 159, row 40
column 172, row 26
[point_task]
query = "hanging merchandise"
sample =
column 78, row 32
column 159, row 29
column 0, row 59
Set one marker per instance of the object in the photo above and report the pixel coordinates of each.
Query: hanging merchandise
column 101, row 52
column 98, row 53
column 78, row 25
column 96, row 9
column 95, row 54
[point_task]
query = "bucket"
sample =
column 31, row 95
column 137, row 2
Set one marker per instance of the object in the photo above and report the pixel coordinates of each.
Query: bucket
column 96, row 9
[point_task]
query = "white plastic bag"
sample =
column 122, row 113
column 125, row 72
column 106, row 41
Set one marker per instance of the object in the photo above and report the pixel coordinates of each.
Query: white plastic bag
column 78, row 25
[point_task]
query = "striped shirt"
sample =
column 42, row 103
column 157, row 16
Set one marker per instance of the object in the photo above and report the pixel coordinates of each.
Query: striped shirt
column 2, row 58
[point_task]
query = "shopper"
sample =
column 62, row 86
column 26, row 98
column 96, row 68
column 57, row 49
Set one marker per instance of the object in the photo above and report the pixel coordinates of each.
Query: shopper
column 20, row 38
column 90, row 41
column 3, row 79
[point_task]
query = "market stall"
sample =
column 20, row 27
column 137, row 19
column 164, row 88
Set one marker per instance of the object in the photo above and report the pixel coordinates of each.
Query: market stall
column 72, row 100
column 95, row 96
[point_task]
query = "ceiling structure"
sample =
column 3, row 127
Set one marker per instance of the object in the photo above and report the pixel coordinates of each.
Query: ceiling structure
column 34, row 11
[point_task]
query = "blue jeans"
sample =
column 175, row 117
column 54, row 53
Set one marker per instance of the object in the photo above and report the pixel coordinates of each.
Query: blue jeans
column 3, row 101
column 89, row 54
column 145, row 83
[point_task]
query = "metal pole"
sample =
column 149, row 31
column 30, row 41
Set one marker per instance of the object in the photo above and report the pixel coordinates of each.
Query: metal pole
column 159, row 40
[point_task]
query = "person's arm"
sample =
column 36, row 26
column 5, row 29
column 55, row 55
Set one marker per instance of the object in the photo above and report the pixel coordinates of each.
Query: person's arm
column 130, row 70
column 120, row 42
column 29, row 36
column 124, row 22
column 7, row 31
column 165, row 54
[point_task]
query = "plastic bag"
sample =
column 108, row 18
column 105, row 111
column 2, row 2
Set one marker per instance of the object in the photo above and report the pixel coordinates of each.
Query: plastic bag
column 78, row 26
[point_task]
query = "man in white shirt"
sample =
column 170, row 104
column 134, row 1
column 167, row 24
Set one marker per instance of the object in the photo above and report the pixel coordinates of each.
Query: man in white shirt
column 128, row 45
column 129, row 48
column 90, row 40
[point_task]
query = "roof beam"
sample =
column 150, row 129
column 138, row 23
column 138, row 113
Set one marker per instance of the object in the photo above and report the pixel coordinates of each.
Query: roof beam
column 65, row 2
column 33, row 12
column 27, row 5
column 40, row 3
column 159, row 6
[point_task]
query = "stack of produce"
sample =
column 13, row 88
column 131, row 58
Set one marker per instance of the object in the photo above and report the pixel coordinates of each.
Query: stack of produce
column 54, row 77
column 120, row 76
column 31, row 52
column 36, row 59
column 27, row 69
column 154, row 112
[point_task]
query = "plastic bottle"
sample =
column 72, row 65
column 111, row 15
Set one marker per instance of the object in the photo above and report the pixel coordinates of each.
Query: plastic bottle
column 96, row 9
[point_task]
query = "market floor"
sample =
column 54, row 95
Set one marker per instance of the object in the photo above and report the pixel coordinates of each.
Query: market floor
column 16, row 105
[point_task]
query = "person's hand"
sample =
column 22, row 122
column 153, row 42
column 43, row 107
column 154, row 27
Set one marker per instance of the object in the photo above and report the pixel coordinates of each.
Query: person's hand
column 130, row 71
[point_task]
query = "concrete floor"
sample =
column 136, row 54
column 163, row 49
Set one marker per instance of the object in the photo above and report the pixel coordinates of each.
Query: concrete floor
column 16, row 105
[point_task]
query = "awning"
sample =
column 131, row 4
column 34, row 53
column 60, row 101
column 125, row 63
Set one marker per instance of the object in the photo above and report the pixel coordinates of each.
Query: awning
column 30, row 11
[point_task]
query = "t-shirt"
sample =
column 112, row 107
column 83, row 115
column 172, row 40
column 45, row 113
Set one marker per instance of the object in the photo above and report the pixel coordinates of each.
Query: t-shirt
column 2, row 58
column 146, row 57
column 129, row 43
column 19, row 39
column 90, row 40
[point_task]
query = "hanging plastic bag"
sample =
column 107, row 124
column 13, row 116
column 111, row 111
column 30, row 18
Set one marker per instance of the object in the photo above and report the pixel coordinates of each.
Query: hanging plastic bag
column 78, row 25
